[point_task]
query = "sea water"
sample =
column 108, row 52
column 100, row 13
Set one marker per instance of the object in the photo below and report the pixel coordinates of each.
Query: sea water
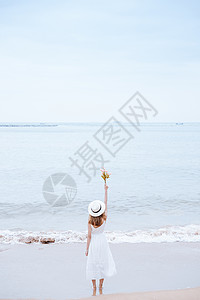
column 153, row 193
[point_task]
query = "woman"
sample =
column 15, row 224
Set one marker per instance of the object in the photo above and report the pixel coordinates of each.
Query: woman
column 100, row 263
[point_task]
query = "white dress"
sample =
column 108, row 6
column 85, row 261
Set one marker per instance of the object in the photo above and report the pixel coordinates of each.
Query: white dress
column 100, row 262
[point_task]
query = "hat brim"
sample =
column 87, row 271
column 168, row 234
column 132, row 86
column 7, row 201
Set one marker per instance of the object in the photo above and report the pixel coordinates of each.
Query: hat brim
column 102, row 210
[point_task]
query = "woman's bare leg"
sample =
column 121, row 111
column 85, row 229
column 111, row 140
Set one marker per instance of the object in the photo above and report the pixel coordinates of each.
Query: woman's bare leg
column 101, row 282
column 94, row 287
column 101, row 285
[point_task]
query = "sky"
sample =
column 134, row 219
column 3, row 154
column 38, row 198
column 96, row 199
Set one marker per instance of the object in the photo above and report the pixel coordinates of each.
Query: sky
column 80, row 61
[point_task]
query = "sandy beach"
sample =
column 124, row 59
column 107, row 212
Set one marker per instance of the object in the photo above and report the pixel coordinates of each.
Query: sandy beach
column 57, row 271
column 185, row 294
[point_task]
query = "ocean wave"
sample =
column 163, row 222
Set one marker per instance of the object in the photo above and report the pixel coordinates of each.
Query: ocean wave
column 188, row 233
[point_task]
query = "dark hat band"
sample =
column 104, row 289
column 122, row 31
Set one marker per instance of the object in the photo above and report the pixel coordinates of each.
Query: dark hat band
column 97, row 210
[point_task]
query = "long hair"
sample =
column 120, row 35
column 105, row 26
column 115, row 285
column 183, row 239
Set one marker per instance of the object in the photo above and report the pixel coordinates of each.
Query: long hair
column 97, row 221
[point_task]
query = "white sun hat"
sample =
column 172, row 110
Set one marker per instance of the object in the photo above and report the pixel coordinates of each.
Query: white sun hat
column 96, row 208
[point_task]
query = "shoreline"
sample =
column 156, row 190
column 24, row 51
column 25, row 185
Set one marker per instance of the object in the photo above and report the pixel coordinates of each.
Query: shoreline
column 165, row 234
column 57, row 271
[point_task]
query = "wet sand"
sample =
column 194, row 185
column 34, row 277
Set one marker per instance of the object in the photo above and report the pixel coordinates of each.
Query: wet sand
column 185, row 294
column 57, row 271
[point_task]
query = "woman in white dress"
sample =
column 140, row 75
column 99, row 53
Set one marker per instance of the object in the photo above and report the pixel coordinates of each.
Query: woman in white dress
column 100, row 263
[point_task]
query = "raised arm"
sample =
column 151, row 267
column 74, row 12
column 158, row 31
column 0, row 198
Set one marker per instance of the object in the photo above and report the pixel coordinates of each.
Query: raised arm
column 106, row 198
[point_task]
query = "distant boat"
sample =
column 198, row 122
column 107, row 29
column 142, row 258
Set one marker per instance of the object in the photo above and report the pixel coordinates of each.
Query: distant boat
column 179, row 123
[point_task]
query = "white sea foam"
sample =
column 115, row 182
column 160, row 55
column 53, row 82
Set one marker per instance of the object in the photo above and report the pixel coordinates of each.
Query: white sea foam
column 189, row 233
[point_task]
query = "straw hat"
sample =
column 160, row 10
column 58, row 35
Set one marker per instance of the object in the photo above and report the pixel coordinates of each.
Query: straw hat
column 96, row 208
